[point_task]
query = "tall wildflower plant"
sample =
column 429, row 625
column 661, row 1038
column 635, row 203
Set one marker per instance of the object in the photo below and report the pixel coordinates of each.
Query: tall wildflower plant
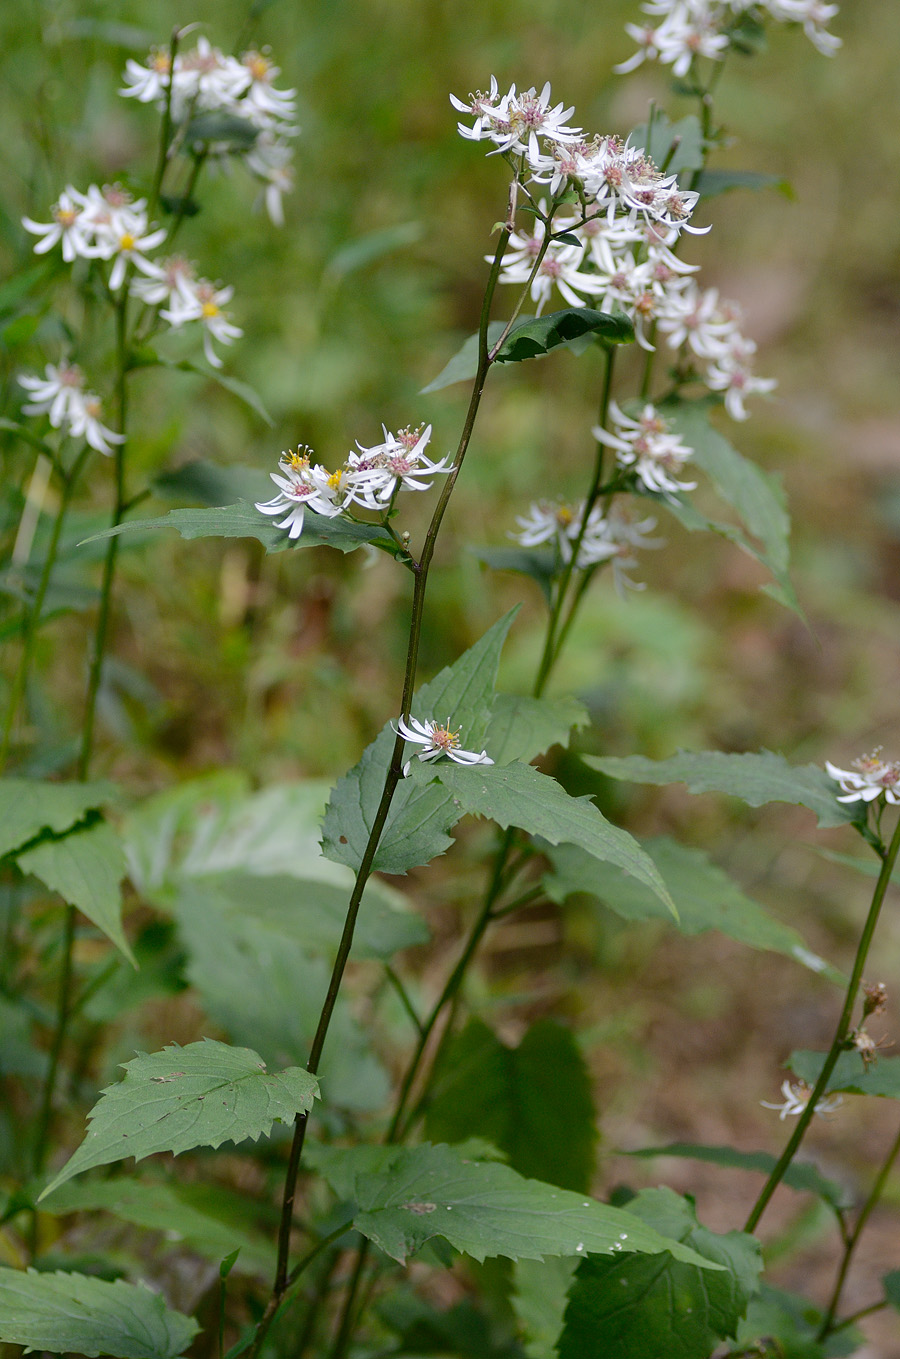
column 377, row 1168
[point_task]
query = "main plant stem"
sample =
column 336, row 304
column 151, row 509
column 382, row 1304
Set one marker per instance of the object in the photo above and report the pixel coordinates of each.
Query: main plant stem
column 392, row 779
column 839, row 1042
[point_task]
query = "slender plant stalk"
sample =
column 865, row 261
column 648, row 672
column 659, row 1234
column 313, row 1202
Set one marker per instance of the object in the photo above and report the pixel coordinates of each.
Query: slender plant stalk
column 839, row 1042
column 34, row 616
column 59, row 1037
column 392, row 779
column 828, row 1325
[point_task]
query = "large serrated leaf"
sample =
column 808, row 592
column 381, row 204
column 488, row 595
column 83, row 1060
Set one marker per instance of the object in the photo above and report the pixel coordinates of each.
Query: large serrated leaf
column 881, row 1077
column 519, row 795
column 522, row 727
column 73, row 1314
column 167, row 1208
column 86, row 868
column 30, row 806
column 539, row 1298
column 755, row 778
column 800, row 1175
column 704, row 896
column 632, row 1308
column 532, row 1101
column 197, row 1096
column 417, row 825
column 464, row 364
column 483, row 1209
column 243, row 520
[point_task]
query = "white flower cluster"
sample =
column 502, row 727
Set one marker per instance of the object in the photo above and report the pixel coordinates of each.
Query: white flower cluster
column 612, row 537
column 649, row 446
column 703, row 28
column 607, row 174
column 60, row 395
column 436, row 741
column 205, row 80
column 108, row 224
column 369, row 478
column 870, row 777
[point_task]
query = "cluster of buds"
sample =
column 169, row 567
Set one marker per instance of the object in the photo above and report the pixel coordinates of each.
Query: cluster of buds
column 369, row 478
column 689, row 29
column 874, row 1003
column 206, row 80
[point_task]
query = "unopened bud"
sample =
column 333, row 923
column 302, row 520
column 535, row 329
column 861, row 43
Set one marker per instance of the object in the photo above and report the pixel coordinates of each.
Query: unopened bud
column 875, row 999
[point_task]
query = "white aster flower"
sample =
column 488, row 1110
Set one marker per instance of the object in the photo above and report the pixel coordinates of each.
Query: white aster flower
column 515, row 121
column 165, row 281
column 732, row 374
column 61, row 397
column 262, row 103
column 869, row 778
column 374, row 475
column 436, row 741
column 303, row 486
column 269, row 159
column 202, row 301
column 84, row 422
column 796, row 1098
column 559, row 268
column 71, row 225
column 649, row 446
column 813, row 15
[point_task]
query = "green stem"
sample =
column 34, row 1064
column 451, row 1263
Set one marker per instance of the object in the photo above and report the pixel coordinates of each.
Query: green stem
column 112, row 547
column 349, row 1313
column 165, row 133
column 59, row 1036
column 392, row 779
column 34, row 616
column 851, row 1242
column 839, row 1042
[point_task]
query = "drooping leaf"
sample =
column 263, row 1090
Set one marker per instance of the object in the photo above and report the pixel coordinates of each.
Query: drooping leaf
column 539, row 563
column 163, row 1208
column 149, row 358
column 266, row 990
column 244, row 520
column 539, row 1299
column 713, row 182
column 754, row 493
column 75, row 1314
column 678, row 146
column 374, row 245
column 705, row 897
column 407, row 1196
column 632, row 1307
column 464, row 364
column 754, row 778
column 850, row 1074
column 532, row 1101
column 519, row 795
column 86, row 868
column 522, row 727
column 30, row 806
column 531, row 338
column 197, row 1096
column 800, row 1175
column 417, row 825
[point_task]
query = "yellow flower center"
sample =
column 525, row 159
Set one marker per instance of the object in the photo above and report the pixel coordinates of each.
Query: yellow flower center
column 127, row 241
column 209, row 310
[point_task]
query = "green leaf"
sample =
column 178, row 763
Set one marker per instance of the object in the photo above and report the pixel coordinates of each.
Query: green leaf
column 163, row 1208
column 892, row 1288
column 244, row 520
column 850, row 1074
column 266, row 991
column 539, row 1298
column 464, row 364
column 788, row 1324
column 713, row 182
column 211, row 484
column 519, row 795
column 219, row 126
column 29, row 807
column 632, row 1308
column 704, row 896
column 521, row 728
column 407, row 1196
column 533, row 1101
column 86, row 867
column 417, row 825
column 71, row 1313
column 374, row 245
column 756, row 496
column 19, row 1054
column 686, row 136
column 197, row 1096
column 539, row 563
column 800, row 1175
column 532, row 337
column 754, row 778
column 149, row 358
